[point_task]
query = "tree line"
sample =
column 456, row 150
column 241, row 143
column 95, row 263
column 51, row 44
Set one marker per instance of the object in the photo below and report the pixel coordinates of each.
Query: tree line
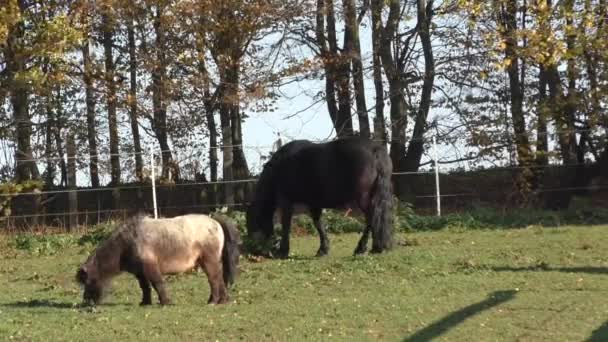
column 512, row 79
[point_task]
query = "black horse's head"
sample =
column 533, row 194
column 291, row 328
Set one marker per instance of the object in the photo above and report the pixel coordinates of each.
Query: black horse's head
column 260, row 213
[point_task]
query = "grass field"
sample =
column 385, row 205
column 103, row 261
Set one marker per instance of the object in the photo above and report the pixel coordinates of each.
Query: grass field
column 534, row 284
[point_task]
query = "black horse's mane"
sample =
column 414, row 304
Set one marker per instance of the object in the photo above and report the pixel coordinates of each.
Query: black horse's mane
column 264, row 201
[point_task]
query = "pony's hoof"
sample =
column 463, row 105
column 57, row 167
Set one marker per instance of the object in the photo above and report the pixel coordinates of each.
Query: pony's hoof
column 144, row 303
column 166, row 302
column 217, row 301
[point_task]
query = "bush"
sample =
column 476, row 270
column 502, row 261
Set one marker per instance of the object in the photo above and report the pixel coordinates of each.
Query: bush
column 487, row 218
column 97, row 234
column 48, row 244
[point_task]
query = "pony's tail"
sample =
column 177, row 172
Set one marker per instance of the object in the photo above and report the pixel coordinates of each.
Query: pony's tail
column 231, row 250
column 382, row 204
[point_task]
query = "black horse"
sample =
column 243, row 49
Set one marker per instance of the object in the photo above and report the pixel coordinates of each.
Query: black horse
column 344, row 173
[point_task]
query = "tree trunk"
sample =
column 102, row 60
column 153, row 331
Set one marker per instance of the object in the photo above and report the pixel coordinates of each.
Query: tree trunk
column 592, row 64
column 557, row 101
column 213, row 159
column 59, row 145
column 515, row 86
column 159, row 124
column 328, row 63
column 525, row 180
column 72, row 195
column 210, row 108
column 542, row 140
column 111, row 100
column 48, row 144
column 341, row 76
column 91, row 122
column 379, row 120
column 227, row 150
column 132, row 101
column 240, row 169
column 396, row 84
column 572, row 97
column 353, row 52
column 416, row 146
column 26, row 168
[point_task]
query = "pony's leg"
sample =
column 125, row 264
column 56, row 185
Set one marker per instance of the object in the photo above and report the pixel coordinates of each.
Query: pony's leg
column 324, row 241
column 146, row 291
column 217, row 288
column 152, row 272
column 286, row 214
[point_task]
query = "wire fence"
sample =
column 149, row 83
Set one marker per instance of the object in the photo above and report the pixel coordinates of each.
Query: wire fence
column 435, row 187
column 456, row 191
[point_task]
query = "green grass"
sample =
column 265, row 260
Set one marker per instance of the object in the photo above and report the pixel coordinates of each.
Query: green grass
column 534, row 284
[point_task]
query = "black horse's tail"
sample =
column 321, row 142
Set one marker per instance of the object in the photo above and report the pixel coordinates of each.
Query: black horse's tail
column 231, row 250
column 382, row 203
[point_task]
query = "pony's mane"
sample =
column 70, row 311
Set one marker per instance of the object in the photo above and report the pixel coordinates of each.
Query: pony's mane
column 124, row 232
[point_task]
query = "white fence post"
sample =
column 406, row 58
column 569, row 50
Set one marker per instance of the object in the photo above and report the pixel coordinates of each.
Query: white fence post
column 436, row 158
column 153, row 166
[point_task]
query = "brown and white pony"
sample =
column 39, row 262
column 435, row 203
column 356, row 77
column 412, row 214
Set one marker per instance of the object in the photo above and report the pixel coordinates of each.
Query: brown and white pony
column 150, row 248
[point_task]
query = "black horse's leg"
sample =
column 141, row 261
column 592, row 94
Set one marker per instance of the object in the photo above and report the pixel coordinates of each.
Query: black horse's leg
column 286, row 214
column 362, row 245
column 324, row 241
column 146, row 291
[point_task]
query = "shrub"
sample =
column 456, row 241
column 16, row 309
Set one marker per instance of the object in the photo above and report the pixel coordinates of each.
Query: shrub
column 97, row 234
column 48, row 244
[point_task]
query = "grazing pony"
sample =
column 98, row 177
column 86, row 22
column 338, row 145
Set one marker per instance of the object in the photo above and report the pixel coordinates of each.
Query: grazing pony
column 149, row 248
column 344, row 173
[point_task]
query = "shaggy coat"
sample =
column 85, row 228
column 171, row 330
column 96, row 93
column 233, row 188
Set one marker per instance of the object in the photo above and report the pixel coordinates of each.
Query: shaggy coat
column 150, row 248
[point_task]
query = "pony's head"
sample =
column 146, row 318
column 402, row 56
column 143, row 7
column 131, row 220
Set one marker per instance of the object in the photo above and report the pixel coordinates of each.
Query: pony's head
column 104, row 263
column 89, row 277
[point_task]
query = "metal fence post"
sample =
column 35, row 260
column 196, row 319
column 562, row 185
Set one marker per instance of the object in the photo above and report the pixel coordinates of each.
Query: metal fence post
column 153, row 166
column 436, row 158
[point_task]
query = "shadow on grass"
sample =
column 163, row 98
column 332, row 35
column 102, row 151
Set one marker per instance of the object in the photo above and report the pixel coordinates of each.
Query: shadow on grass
column 46, row 303
column 547, row 268
column 41, row 303
column 599, row 334
column 443, row 325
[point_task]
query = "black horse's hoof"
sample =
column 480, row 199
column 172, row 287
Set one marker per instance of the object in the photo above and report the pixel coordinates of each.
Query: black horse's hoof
column 376, row 250
column 282, row 255
column 361, row 249
column 359, row 252
column 322, row 252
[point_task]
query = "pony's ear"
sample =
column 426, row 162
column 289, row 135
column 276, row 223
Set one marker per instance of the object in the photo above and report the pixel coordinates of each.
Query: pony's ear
column 81, row 275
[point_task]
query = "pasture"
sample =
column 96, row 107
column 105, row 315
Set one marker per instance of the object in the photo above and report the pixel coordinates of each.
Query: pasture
column 532, row 284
